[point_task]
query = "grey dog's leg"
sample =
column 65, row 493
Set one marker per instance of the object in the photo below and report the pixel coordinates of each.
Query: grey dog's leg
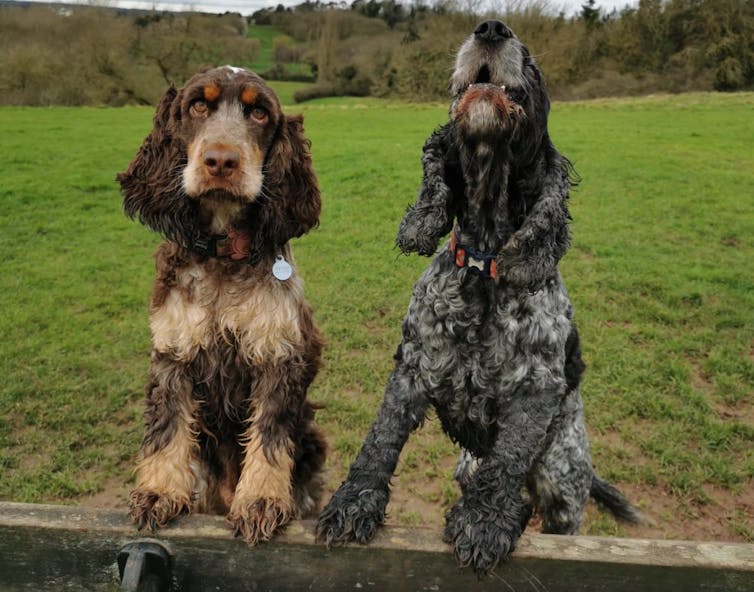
column 431, row 217
column 466, row 466
column 485, row 524
column 560, row 480
column 357, row 508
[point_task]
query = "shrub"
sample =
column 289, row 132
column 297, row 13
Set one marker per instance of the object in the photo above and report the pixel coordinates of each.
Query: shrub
column 315, row 91
column 348, row 82
column 93, row 56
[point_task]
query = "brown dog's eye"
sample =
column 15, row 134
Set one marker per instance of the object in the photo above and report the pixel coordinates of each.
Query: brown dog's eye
column 258, row 114
column 198, row 107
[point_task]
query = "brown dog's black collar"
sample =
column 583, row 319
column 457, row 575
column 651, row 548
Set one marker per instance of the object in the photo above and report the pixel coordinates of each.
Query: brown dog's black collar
column 464, row 256
column 235, row 245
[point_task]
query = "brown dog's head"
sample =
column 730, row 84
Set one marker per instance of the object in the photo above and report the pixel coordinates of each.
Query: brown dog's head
column 223, row 157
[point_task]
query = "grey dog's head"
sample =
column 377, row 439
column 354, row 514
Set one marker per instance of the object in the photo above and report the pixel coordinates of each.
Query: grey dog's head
column 490, row 55
column 498, row 90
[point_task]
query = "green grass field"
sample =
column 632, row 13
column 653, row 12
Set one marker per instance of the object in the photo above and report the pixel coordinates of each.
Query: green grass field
column 660, row 273
column 265, row 59
column 265, row 34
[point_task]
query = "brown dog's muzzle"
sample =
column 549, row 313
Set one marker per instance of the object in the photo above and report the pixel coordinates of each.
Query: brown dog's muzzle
column 221, row 161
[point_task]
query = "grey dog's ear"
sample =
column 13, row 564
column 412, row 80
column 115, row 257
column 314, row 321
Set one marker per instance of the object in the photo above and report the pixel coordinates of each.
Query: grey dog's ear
column 431, row 217
column 150, row 187
column 532, row 253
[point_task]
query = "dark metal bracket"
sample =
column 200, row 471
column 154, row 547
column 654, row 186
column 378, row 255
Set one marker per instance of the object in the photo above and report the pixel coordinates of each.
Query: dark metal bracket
column 144, row 566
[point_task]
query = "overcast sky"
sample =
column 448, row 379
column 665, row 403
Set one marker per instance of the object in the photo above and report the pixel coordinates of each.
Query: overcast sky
column 247, row 7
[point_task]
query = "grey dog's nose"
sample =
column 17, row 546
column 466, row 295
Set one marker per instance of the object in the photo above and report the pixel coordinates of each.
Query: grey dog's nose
column 492, row 31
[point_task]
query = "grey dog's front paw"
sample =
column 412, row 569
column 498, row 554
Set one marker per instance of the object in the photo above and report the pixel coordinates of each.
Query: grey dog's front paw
column 421, row 229
column 482, row 536
column 352, row 515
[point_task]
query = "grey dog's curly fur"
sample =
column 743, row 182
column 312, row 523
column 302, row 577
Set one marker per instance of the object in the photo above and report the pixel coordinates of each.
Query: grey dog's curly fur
column 499, row 359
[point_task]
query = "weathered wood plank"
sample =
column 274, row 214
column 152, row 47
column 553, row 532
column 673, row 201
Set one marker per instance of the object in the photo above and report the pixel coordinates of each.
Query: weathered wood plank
column 72, row 548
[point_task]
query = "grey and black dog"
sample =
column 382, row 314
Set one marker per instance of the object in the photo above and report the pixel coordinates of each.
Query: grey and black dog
column 489, row 338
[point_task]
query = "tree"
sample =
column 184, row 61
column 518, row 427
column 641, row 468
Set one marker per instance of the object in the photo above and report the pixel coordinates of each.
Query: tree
column 178, row 45
column 590, row 14
column 327, row 46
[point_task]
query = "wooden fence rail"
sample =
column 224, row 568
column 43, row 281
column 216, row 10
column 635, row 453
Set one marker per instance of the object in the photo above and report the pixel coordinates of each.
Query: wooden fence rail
column 57, row 548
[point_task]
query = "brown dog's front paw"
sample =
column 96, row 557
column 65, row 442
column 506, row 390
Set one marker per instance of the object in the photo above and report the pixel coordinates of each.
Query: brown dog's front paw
column 257, row 521
column 152, row 510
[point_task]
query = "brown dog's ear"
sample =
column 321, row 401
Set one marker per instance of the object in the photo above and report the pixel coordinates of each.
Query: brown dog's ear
column 290, row 184
column 152, row 186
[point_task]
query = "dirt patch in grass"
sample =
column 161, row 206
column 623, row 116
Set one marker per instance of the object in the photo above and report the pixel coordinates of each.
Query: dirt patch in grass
column 112, row 496
column 423, row 490
column 408, row 508
column 725, row 517
column 419, row 499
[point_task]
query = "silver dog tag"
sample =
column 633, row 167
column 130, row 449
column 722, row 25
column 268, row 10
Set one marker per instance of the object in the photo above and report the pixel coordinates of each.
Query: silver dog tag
column 281, row 269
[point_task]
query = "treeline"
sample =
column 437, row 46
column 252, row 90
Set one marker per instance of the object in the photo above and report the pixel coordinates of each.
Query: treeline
column 386, row 48
column 97, row 56
column 89, row 55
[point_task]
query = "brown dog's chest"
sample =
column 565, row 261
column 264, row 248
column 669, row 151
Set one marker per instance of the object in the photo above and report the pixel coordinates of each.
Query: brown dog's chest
column 194, row 307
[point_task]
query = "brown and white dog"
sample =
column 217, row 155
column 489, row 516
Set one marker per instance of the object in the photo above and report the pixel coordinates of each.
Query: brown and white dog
column 227, row 178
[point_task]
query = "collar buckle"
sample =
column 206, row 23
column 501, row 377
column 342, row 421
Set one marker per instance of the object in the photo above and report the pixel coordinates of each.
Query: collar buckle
column 235, row 245
column 465, row 256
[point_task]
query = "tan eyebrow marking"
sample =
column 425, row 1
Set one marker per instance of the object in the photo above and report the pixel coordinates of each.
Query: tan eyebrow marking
column 211, row 92
column 248, row 95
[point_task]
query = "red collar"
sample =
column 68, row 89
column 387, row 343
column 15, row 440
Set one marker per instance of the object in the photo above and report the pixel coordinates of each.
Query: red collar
column 467, row 257
column 235, row 245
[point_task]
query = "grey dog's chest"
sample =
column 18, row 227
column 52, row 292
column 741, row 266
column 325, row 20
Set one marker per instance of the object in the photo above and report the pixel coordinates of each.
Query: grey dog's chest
column 473, row 345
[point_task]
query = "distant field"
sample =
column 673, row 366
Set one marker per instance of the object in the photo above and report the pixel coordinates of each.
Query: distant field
column 660, row 273
column 285, row 91
column 265, row 34
column 265, row 60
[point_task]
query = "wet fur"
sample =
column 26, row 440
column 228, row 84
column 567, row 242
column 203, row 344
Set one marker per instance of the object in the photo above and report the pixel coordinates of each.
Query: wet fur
column 499, row 360
column 228, row 427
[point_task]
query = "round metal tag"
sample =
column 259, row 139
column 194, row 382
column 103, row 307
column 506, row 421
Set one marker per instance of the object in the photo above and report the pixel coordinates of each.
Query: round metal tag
column 281, row 269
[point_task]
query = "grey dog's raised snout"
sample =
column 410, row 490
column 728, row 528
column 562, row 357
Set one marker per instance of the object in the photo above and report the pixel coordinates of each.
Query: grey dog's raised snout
column 492, row 31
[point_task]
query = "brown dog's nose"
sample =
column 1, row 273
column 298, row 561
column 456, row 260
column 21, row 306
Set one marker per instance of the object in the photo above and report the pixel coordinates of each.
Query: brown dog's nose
column 221, row 162
column 492, row 31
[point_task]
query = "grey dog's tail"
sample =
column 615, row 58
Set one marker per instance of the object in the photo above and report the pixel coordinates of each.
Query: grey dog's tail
column 608, row 496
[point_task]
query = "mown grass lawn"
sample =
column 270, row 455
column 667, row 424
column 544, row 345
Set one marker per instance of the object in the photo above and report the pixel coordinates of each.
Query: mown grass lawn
column 660, row 273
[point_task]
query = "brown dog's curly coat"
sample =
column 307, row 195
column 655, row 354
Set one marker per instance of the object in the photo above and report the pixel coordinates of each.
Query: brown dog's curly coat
column 227, row 178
